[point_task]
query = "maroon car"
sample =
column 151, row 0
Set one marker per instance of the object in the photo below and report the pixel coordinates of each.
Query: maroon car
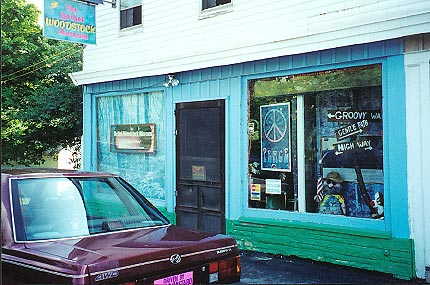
column 73, row 227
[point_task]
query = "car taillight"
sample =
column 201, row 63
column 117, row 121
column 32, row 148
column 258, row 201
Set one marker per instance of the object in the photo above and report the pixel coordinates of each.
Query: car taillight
column 226, row 270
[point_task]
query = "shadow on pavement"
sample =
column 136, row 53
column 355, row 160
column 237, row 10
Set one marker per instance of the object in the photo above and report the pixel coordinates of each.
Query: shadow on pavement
column 262, row 268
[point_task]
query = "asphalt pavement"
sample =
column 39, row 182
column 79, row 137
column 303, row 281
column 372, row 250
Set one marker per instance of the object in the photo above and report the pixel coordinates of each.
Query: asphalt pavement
column 262, row 268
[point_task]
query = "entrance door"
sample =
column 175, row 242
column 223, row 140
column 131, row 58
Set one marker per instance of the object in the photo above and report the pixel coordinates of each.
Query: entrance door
column 200, row 189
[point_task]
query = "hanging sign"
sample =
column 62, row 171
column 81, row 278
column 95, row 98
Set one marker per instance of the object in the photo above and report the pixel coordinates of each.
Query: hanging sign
column 69, row 20
column 275, row 137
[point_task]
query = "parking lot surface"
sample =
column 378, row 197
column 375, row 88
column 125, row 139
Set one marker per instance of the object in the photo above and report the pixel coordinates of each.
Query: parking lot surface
column 262, row 268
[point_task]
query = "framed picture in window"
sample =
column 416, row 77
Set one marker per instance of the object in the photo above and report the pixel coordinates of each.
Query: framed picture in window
column 133, row 138
column 275, row 137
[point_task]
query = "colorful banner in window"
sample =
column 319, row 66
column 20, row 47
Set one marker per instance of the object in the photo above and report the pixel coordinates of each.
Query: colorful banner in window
column 71, row 21
column 275, row 137
column 133, row 138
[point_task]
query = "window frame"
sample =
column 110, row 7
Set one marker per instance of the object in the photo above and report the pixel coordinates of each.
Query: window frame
column 301, row 214
column 216, row 5
column 214, row 11
column 133, row 26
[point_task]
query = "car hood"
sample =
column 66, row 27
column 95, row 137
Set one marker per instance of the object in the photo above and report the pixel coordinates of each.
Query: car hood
column 126, row 253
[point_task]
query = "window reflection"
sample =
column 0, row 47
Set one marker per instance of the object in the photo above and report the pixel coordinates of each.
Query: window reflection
column 337, row 116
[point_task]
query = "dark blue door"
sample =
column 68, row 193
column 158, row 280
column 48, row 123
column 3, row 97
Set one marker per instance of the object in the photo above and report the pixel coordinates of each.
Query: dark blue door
column 200, row 144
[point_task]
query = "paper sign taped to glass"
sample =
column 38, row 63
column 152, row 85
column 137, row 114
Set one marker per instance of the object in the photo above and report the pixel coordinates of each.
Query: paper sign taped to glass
column 275, row 137
column 256, row 192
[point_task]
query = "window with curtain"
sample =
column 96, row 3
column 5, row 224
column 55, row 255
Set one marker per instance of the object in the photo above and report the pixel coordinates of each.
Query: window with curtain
column 145, row 170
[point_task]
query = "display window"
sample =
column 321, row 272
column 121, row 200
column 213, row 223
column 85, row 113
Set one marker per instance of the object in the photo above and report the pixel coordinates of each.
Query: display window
column 316, row 142
column 131, row 140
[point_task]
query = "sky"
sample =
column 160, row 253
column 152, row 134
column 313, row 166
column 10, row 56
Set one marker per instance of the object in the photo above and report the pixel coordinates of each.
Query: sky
column 39, row 4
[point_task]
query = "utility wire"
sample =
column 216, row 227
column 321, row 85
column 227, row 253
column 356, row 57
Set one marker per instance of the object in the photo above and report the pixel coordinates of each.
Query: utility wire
column 31, row 71
column 40, row 62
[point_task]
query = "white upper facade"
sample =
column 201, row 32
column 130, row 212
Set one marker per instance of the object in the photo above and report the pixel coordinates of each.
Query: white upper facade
column 177, row 35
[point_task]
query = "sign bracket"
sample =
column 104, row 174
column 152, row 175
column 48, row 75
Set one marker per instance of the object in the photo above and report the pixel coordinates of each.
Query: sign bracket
column 96, row 2
column 113, row 2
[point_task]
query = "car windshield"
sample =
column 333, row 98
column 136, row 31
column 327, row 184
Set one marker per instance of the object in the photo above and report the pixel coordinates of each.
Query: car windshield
column 61, row 207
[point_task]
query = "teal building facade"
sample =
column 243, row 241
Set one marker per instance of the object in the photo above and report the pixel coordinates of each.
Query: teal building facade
column 246, row 149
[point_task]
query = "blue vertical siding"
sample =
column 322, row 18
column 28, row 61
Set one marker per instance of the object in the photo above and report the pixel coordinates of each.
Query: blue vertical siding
column 87, row 131
column 395, row 158
column 230, row 83
column 314, row 59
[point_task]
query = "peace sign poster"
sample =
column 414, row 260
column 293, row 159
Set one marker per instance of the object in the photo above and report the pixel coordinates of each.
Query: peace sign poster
column 275, row 137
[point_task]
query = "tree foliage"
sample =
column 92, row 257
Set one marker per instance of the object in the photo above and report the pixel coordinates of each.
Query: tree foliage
column 370, row 75
column 41, row 108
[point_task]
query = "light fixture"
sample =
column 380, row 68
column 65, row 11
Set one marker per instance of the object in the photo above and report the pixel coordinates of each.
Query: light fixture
column 171, row 81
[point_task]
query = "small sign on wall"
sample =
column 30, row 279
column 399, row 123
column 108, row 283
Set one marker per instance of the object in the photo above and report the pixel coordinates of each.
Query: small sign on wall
column 133, row 138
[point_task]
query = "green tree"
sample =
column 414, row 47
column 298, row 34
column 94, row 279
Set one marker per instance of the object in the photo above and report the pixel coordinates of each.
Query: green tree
column 41, row 108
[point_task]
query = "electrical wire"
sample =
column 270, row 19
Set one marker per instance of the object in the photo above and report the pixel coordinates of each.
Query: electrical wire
column 40, row 62
column 31, row 71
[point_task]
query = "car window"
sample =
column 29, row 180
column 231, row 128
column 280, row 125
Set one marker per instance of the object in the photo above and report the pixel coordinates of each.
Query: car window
column 50, row 208
column 102, row 201
column 110, row 208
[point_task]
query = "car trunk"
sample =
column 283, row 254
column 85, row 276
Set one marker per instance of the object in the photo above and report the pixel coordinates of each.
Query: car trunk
column 163, row 255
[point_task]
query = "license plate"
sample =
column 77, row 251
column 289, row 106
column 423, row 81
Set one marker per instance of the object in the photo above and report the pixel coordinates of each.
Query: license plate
column 179, row 279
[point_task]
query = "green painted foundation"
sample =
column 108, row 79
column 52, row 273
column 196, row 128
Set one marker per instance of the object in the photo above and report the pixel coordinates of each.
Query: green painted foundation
column 370, row 250
column 171, row 216
column 376, row 251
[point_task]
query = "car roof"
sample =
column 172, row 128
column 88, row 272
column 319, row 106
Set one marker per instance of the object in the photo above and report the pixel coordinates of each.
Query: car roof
column 44, row 172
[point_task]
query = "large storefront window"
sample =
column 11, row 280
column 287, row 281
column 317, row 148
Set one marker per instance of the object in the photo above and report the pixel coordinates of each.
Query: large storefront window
column 131, row 140
column 316, row 142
